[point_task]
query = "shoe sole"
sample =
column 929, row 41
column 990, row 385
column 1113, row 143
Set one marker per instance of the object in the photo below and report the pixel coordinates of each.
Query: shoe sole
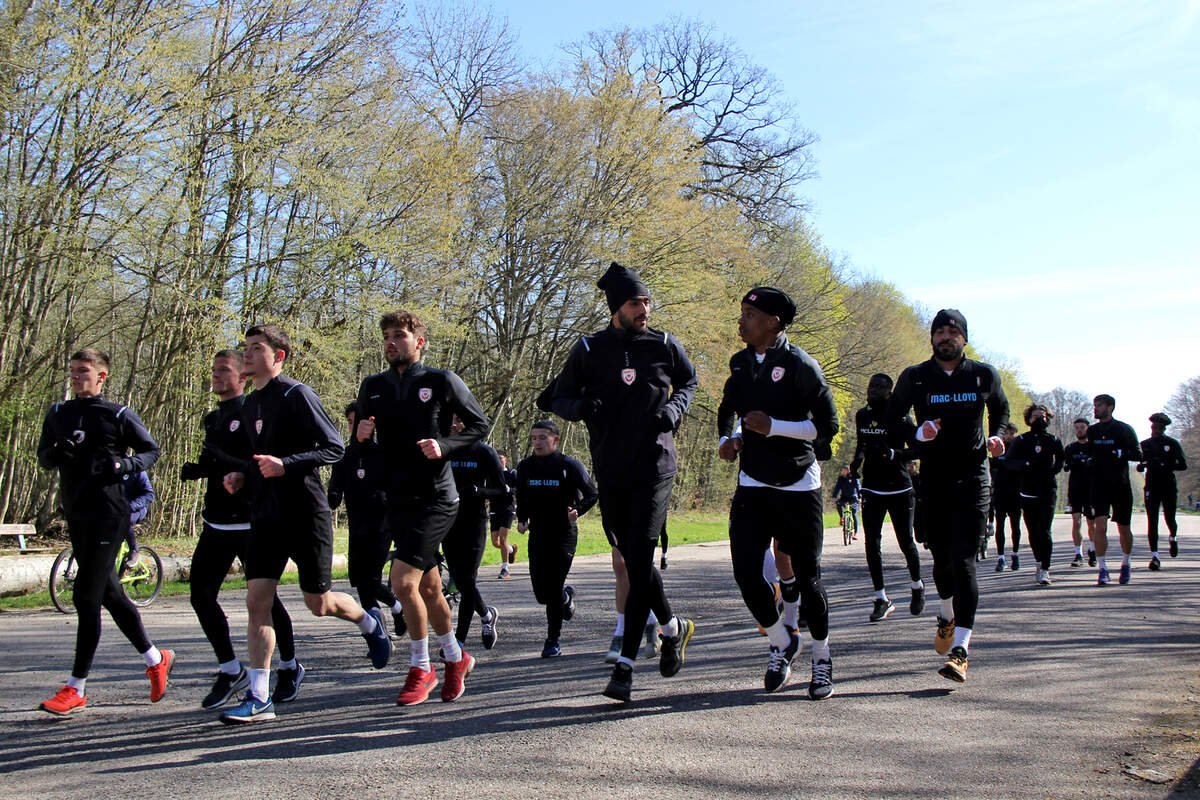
column 432, row 686
column 247, row 720
column 952, row 674
column 240, row 686
column 685, row 636
column 294, row 694
column 886, row 614
column 67, row 713
column 616, row 693
column 819, row 698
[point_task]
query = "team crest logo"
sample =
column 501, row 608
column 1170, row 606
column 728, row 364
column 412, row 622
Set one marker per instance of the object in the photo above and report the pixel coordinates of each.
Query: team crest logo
column 752, row 297
column 777, row 374
column 362, row 473
column 234, row 424
column 425, row 394
column 1166, row 448
column 258, row 426
column 628, row 375
column 1037, row 449
column 78, row 436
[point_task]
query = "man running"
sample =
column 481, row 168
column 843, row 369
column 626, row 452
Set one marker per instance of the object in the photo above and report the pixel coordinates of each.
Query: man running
column 500, row 516
column 949, row 394
column 1005, row 500
column 882, row 451
column 88, row 440
column 291, row 438
column 553, row 491
column 1038, row 455
column 405, row 411
column 1078, row 466
column 845, row 496
column 632, row 385
column 226, row 526
column 1112, row 445
column 358, row 479
column 779, row 393
column 1162, row 457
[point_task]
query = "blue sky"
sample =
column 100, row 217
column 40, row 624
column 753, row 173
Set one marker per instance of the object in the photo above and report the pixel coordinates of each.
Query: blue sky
column 1036, row 165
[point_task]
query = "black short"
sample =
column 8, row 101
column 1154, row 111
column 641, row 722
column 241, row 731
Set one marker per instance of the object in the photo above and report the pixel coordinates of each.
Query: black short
column 501, row 519
column 1077, row 503
column 793, row 519
column 635, row 512
column 417, row 531
column 1114, row 501
column 306, row 540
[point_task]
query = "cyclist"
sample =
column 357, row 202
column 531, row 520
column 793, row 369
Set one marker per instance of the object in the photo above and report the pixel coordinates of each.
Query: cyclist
column 845, row 496
column 140, row 493
column 87, row 440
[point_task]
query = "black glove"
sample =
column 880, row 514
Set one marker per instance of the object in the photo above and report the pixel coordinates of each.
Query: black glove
column 663, row 422
column 589, row 407
column 1141, row 467
column 120, row 466
column 191, row 471
column 66, row 447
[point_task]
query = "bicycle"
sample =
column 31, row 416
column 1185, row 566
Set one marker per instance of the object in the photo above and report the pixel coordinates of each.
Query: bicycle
column 142, row 581
column 849, row 526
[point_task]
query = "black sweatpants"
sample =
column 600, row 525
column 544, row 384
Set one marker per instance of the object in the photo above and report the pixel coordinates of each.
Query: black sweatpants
column 900, row 507
column 95, row 542
column 1039, row 516
column 551, row 554
column 464, row 546
column 756, row 516
column 1013, row 512
column 633, row 517
column 956, row 514
column 1167, row 500
column 367, row 551
column 210, row 564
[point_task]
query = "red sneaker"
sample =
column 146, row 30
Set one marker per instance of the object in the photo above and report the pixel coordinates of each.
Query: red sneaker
column 417, row 686
column 456, row 673
column 65, row 703
column 158, row 675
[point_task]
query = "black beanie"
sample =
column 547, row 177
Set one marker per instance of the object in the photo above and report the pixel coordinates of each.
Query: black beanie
column 620, row 284
column 949, row 316
column 772, row 301
column 1159, row 418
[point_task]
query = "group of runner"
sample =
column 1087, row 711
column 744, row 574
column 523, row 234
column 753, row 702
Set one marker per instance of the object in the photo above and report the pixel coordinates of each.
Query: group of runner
column 418, row 483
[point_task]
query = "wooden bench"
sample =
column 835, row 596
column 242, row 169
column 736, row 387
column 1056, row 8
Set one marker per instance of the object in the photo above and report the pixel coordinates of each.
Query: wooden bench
column 19, row 532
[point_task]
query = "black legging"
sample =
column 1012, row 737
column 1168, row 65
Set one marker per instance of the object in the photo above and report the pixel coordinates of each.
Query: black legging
column 1167, row 500
column 551, row 554
column 367, row 552
column 756, row 516
column 955, row 518
column 464, row 546
column 900, row 506
column 1013, row 512
column 634, row 517
column 210, row 564
column 95, row 543
column 1039, row 516
column 662, row 539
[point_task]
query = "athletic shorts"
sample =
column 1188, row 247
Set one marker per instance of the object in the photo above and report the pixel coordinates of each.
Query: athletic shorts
column 501, row 519
column 1113, row 501
column 306, row 540
column 1078, row 503
column 635, row 513
column 417, row 531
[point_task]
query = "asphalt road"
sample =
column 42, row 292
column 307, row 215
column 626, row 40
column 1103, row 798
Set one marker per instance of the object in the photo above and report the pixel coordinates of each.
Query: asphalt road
column 1068, row 684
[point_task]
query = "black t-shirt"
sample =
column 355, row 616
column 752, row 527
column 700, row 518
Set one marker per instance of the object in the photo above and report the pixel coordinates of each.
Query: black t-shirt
column 1112, row 445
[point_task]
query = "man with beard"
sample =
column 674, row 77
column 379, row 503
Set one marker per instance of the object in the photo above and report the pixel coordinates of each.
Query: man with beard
column 405, row 414
column 632, row 385
column 950, row 394
column 1038, row 455
column 1162, row 457
column 1112, row 444
column 1078, row 465
column 787, row 414
column 881, row 451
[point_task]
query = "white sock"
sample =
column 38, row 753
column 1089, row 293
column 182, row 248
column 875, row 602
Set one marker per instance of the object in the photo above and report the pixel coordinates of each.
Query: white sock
column 290, row 664
column 260, row 683
column 620, row 631
column 367, row 623
column 962, row 638
column 1126, row 559
column 791, row 614
column 77, row 684
column 820, row 651
column 1078, row 549
column 1102, row 562
column 947, row 608
column 671, row 628
column 450, row 647
column 881, row 595
column 779, row 636
column 231, row 667
column 152, row 656
column 397, row 608
column 1154, row 554
column 1091, row 549
column 915, row 585
column 626, row 661
column 511, row 549
column 419, row 648
column 488, row 616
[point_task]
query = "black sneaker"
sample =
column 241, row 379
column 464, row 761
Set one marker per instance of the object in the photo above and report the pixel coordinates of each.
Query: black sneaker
column 287, row 684
column 674, row 648
column 620, row 685
column 779, row 665
column 1000, row 564
column 551, row 649
column 1016, row 563
column 917, row 604
column 821, row 685
column 488, row 631
column 1173, row 546
column 1077, row 561
column 662, row 562
column 1155, row 565
column 224, row 688
column 399, row 626
column 1091, row 558
column 882, row 609
column 568, row 606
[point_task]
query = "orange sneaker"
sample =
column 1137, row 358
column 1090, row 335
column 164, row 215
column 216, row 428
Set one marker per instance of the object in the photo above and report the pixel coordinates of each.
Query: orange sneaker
column 456, row 673
column 65, row 703
column 158, row 675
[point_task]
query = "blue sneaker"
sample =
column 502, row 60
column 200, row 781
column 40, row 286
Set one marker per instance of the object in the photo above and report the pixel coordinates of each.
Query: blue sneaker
column 551, row 649
column 251, row 709
column 1124, row 577
column 378, row 642
column 1102, row 579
